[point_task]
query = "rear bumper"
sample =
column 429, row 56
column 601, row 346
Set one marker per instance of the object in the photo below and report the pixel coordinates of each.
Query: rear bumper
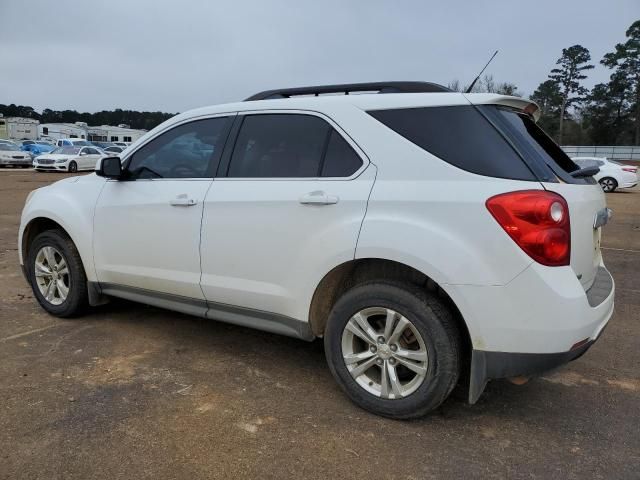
column 486, row 366
column 542, row 319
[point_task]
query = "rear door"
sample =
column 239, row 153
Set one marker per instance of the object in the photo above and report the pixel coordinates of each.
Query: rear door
column 285, row 208
column 88, row 158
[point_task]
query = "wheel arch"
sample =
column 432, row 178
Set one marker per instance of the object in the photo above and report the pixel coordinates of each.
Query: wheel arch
column 35, row 227
column 346, row 275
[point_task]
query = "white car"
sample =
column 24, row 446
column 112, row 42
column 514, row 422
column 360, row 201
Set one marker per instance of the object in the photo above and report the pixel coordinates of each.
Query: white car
column 10, row 154
column 69, row 159
column 426, row 235
column 612, row 175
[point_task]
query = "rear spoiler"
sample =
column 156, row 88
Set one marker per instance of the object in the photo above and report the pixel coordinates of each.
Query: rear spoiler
column 527, row 106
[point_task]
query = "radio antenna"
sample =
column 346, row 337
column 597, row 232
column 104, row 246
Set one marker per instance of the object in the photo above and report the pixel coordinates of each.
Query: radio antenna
column 481, row 71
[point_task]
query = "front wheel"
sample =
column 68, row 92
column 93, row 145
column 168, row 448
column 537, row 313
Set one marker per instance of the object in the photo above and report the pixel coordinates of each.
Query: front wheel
column 394, row 349
column 608, row 184
column 56, row 274
column 73, row 167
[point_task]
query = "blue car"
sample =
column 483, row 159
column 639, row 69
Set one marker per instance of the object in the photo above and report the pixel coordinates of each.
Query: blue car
column 37, row 148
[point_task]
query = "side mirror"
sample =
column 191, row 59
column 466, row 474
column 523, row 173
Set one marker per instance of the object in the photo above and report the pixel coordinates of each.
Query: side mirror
column 109, row 167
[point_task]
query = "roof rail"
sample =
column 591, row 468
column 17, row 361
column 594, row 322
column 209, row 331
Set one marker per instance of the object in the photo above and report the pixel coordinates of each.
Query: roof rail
column 380, row 87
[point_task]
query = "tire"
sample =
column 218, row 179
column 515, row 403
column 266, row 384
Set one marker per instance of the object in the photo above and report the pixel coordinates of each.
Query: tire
column 608, row 184
column 432, row 321
column 76, row 299
column 73, row 167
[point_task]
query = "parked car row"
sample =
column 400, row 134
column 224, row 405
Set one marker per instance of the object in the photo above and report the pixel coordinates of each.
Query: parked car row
column 67, row 155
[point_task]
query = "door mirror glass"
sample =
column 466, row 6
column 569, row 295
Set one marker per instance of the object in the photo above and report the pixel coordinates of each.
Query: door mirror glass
column 109, row 167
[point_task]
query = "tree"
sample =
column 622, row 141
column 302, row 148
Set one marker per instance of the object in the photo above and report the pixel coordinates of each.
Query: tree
column 549, row 98
column 487, row 84
column 567, row 76
column 625, row 60
column 607, row 113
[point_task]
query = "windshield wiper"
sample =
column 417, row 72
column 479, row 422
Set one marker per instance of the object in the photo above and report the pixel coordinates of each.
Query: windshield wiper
column 585, row 172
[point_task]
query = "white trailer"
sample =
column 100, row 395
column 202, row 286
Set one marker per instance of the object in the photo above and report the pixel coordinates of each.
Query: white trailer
column 55, row 131
column 19, row 128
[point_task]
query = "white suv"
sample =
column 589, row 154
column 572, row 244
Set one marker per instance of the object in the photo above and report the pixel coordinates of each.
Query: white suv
column 430, row 237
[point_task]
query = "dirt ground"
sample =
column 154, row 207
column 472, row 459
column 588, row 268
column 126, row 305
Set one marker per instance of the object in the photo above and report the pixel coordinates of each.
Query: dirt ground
column 131, row 391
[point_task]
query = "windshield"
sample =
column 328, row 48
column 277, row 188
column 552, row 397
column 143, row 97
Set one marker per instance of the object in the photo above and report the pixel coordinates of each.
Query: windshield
column 81, row 143
column 5, row 146
column 66, row 151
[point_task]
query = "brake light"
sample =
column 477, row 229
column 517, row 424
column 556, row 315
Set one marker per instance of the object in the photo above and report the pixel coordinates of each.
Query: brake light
column 630, row 169
column 538, row 221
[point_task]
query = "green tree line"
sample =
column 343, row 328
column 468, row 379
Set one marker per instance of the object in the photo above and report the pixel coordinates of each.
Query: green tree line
column 133, row 118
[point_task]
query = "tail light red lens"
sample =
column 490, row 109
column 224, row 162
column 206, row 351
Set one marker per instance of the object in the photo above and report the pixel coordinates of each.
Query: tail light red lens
column 630, row 169
column 538, row 221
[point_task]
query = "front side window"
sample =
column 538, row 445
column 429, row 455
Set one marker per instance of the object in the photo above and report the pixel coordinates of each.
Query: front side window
column 280, row 146
column 186, row 151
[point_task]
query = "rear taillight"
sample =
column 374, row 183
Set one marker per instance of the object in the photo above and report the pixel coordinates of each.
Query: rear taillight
column 538, row 221
column 629, row 169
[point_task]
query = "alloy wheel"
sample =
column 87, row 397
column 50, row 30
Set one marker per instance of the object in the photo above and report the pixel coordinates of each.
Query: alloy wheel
column 52, row 275
column 384, row 353
column 607, row 184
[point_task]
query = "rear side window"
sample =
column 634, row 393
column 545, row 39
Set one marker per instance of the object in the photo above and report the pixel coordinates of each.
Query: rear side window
column 459, row 135
column 279, row 145
column 340, row 160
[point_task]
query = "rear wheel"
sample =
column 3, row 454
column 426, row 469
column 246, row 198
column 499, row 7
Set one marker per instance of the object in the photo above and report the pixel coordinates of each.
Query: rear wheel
column 56, row 274
column 608, row 184
column 73, row 167
column 394, row 349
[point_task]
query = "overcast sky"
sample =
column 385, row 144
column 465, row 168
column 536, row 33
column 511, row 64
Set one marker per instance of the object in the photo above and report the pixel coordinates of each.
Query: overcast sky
column 176, row 55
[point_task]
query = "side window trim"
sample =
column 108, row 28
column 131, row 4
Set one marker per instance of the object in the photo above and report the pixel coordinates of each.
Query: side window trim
column 213, row 163
column 225, row 162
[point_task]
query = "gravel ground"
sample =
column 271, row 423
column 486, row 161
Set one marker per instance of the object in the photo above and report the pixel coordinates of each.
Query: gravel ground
column 131, row 391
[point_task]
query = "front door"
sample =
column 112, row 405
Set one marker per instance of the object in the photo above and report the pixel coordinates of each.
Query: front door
column 147, row 226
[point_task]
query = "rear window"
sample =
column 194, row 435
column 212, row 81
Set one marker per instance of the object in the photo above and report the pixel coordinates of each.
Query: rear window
column 279, row 145
column 536, row 147
column 459, row 135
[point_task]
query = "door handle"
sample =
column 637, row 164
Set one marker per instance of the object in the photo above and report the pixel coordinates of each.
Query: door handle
column 183, row 200
column 318, row 198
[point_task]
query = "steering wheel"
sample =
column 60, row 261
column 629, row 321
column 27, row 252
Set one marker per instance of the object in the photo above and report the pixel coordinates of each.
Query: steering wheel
column 183, row 170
